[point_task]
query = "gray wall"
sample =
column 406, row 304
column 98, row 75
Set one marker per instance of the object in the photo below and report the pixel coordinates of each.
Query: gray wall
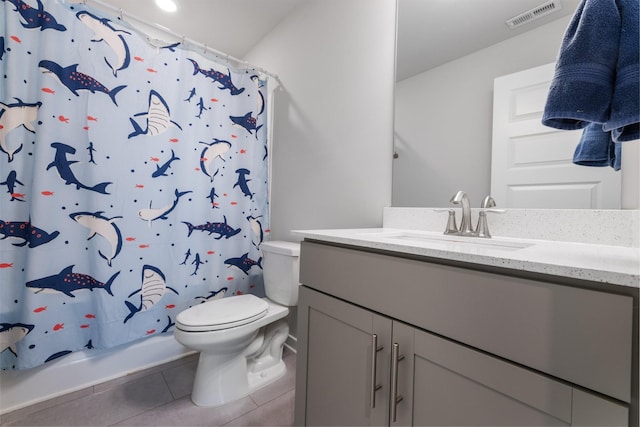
column 444, row 119
column 333, row 129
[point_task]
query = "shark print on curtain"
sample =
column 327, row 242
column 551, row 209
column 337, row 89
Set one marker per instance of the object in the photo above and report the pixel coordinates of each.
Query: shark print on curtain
column 133, row 181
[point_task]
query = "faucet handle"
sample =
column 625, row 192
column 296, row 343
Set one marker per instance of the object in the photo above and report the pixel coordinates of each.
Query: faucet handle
column 488, row 202
column 452, row 227
column 491, row 210
column 483, row 227
column 487, row 206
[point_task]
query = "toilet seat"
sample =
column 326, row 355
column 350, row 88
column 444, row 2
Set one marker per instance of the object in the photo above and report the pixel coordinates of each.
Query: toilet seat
column 222, row 314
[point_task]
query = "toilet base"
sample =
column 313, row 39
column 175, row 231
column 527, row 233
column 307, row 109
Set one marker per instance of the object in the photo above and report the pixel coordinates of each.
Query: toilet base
column 211, row 397
column 265, row 377
column 223, row 378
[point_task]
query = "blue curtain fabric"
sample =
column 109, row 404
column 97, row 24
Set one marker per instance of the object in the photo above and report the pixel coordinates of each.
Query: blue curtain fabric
column 133, row 177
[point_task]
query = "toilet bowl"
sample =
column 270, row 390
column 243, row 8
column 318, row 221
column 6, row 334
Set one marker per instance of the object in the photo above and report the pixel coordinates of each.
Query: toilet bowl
column 240, row 338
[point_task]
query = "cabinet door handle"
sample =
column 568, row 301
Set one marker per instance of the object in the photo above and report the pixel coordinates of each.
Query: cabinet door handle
column 395, row 358
column 374, row 368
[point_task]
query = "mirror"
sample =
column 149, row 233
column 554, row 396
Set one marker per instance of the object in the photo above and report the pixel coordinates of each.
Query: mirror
column 448, row 54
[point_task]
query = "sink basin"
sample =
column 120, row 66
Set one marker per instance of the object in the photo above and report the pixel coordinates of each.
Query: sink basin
column 445, row 241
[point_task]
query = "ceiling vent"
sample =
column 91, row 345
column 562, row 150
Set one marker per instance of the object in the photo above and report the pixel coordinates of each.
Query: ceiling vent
column 535, row 13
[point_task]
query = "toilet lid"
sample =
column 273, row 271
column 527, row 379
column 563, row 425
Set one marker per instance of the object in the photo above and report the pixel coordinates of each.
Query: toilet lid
column 223, row 313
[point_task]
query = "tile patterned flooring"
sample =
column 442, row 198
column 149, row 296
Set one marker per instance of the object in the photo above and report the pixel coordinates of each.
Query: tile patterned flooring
column 160, row 396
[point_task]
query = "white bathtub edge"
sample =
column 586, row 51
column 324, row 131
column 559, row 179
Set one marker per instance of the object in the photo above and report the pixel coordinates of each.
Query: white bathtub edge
column 19, row 389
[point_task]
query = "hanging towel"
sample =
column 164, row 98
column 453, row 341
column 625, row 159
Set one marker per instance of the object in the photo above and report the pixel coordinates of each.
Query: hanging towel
column 597, row 77
column 582, row 86
column 624, row 119
column 596, row 148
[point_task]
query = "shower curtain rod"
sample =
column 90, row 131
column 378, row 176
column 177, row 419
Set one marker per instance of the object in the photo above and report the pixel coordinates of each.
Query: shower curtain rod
column 224, row 56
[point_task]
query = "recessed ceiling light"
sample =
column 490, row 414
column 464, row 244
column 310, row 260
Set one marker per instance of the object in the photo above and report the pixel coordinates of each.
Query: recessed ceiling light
column 167, row 5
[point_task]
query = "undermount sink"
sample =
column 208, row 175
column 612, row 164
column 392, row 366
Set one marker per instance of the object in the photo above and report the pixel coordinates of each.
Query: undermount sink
column 446, row 241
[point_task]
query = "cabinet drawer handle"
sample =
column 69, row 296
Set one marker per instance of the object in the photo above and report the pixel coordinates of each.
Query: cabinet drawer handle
column 395, row 358
column 374, row 365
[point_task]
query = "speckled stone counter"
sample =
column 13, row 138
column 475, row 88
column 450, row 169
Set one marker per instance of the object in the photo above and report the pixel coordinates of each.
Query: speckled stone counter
column 598, row 246
column 605, row 227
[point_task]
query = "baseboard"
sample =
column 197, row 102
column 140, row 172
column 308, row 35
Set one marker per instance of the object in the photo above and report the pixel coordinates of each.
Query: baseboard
column 292, row 343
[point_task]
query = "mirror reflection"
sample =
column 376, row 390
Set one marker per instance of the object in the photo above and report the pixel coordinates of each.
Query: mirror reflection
column 449, row 53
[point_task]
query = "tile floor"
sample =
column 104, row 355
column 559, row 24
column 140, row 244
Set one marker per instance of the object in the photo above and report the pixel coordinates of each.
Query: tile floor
column 160, row 396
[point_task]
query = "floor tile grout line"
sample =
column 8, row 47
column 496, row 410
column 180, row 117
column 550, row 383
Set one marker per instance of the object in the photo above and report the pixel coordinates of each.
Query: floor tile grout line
column 242, row 415
column 271, row 398
column 166, row 383
column 257, row 408
column 152, row 408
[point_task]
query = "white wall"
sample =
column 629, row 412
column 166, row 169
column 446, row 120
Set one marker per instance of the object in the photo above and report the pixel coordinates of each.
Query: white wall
column 333, row 129
column 444, row 119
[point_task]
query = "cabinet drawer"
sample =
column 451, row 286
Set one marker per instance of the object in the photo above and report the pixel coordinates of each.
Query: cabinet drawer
column 579, row 335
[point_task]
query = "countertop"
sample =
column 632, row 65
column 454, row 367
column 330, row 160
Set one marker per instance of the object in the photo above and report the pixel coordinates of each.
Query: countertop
column 619, row 265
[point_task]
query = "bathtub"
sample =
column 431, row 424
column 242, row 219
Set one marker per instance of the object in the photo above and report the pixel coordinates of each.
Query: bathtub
column 83, row 369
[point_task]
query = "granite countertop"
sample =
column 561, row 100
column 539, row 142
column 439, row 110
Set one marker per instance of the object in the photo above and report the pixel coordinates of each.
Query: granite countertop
column 612, row 264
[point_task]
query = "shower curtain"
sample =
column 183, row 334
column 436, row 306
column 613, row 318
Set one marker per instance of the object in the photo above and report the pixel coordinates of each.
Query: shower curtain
column 133, row 178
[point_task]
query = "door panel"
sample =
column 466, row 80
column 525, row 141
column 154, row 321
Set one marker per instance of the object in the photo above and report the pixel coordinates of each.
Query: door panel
column 532, row 164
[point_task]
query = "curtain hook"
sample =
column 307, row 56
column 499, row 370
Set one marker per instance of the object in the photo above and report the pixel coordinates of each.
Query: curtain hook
column 121, row 13
column 204, row 50
column 182, row 41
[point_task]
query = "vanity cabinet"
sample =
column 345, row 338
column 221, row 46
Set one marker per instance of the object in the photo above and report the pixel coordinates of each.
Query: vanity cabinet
column 356, row 306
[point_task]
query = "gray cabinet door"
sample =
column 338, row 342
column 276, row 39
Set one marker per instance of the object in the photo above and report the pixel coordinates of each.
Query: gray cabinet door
column 591, row 410
column 455, row 385
column 335, row 360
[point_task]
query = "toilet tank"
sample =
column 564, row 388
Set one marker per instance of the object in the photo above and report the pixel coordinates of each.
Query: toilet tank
column 281, row 270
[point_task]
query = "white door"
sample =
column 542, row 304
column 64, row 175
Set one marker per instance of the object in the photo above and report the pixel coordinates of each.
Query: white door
column 531, row 163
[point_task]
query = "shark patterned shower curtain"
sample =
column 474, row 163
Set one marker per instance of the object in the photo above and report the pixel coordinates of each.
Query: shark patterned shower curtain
column 133, row 176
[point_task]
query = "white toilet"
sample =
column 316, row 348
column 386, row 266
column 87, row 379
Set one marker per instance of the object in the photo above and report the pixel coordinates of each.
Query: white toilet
column 240, row 338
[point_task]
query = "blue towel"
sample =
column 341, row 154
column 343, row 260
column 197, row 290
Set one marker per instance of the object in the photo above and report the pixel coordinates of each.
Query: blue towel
column 624, row 119
column 596, row 148
column 597, row 77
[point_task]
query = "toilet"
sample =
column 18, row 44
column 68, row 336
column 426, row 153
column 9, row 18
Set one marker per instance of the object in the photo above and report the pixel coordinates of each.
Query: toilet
column 240, row 338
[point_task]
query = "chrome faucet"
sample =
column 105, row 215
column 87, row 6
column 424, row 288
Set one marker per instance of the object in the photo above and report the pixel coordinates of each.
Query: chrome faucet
column 461, row 198
column 466, row 229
